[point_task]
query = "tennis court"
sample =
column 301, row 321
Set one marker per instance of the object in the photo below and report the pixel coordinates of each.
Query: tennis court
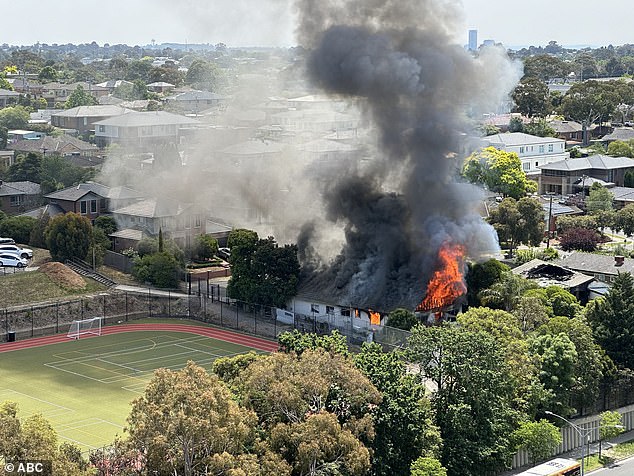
column 84, row 387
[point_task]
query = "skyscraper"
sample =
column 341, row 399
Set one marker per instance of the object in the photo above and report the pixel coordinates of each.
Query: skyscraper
column 473, row 40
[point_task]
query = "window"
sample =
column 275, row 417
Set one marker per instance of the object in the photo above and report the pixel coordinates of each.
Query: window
column 536, row 164
column 16, row 200
column 83, row 207
column 521, row 149
column 330, row 310
column 526, row 166
column 101, row 128
column 551, row 148
column 197, row 221
column 93, row 206
column 314, row 308
column 542, row 149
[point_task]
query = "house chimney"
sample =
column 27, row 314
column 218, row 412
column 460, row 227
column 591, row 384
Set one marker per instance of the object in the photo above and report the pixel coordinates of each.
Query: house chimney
column 619, row 260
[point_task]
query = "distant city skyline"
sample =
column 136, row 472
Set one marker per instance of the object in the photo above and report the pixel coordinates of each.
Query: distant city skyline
column 271, row 22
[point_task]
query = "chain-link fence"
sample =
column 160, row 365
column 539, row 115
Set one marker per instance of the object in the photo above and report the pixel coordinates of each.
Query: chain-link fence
column 210, row 304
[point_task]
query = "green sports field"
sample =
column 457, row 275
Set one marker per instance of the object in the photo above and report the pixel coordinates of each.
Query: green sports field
column 84, row 387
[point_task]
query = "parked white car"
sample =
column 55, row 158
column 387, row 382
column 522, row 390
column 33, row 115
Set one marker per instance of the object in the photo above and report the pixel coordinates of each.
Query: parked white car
column 16, row 250
column 12, row 260
column 7, row 241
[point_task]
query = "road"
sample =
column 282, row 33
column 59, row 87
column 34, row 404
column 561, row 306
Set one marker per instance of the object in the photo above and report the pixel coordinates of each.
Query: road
column 622, row 468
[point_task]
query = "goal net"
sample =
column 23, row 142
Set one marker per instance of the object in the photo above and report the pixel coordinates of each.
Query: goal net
column 85, row 326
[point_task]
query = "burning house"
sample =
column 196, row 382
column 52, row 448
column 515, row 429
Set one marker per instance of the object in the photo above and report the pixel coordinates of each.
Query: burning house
column 402, row 225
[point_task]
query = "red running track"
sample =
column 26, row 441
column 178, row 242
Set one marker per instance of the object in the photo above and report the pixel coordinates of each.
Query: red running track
column 227, row 336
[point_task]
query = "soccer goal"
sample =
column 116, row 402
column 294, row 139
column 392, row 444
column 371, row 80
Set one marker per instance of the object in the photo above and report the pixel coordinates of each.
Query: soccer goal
column 85, row 326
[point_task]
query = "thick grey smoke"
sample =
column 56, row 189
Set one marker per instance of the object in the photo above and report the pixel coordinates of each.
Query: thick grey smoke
column 396, row 58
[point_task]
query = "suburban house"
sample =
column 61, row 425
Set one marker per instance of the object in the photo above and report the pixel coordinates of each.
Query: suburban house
column 83, row 118
column 20, row 134
column 315, row 121
column 603, row 267
column 7, row 98
column 620, row 133
column 63, row 145
column 7, row 159
column 92, row 199
column 17, row 197
column 113, row 84
column 193, row 102
column 551, row 274
column 57, row 93
column 533, row 151
column 160, row 87
column 141, row 129
column 566, row 177
column 181, row 222
column 570, row 131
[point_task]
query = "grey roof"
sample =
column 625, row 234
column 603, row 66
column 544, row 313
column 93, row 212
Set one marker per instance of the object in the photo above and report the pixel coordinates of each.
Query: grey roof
column 598, row 161
column 153, row 208
column 623, row 194
column 51, row 144
column 52, row 209
column 196, row 96
column 621, row 133
column 519, row 138
column 565, row 127
column 114, row 83
column 6, row 92
column 75, row 192
column 128, row 234
column 595, row 263
column 549, row 274
column 152, row 118
column 19, row 188
column 161, row 84
column 93, row 111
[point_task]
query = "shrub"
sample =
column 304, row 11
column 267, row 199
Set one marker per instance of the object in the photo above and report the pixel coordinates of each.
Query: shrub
column 580, row 239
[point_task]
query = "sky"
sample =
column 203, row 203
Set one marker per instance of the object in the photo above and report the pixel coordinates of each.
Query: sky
column 271, row 22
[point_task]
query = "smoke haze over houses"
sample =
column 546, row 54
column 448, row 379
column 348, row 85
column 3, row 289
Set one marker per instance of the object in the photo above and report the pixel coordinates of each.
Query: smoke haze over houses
column 396, row 59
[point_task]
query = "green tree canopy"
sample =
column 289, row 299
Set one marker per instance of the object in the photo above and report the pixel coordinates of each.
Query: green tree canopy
column 426, row 466
column 599, row 199
column 261, row 271
column 612, row 320
column 68, row 236
column 80, row 97
column 624, row 220
column 473, row 402
column 14, row 117
column 18, row 227
column 203, row 75
column 538, row 438
column 499, row 171
column 161, row 269
column 187, row 422
column 545, row 67
column 481, row 276
column 205, row 247
column 620, row 148
column 402, row 319
column 531, row 97
column 518, row 222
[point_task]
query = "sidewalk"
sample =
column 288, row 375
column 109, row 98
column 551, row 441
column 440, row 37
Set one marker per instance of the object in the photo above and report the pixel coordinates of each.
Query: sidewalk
column 576, row 453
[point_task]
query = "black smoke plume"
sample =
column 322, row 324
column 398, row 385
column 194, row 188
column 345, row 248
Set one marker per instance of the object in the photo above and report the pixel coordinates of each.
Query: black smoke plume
column 397, row 60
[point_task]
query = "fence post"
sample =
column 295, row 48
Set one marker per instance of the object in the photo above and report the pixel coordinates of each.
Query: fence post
column 204, row 298
column 57, row 317
column 169, row 303
column 81, row 306
column 126, row 306
column 255, row 322
column 104, row 308
column 237, row 315
column 149, row 302
column 32, row 322
column 220, row 312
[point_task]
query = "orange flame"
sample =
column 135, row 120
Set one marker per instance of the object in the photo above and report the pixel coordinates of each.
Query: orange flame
column 447, row 283
column 375, row 317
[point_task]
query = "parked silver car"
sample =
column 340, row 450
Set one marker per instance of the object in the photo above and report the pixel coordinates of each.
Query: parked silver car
column 17, row 250
column 7, row 259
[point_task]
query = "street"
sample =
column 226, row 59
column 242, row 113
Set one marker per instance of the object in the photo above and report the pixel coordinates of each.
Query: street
column 621, row 468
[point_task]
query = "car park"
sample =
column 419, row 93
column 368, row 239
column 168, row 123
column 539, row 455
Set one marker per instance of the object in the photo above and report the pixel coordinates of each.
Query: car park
column 11, row 260
column 17, row 250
